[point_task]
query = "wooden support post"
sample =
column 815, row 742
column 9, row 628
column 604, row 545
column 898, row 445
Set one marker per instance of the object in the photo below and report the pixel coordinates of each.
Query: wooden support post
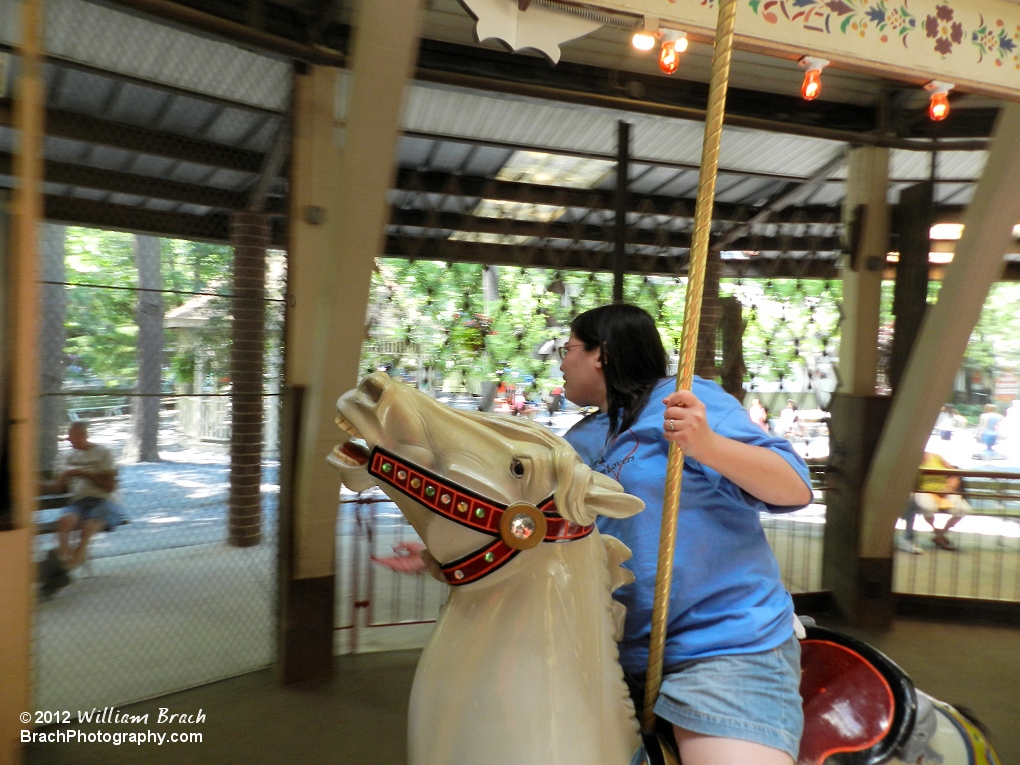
column 338, row 218
column 622, row 181
column 857, row 413
column 305, row 644
column 866, row 212
column 910, row 298
column 23, row 320
column 946, row 329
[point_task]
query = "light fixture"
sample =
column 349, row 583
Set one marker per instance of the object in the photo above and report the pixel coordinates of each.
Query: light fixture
column 938, row 107
column 673, row 44
column 644, row 38
column 812, row 84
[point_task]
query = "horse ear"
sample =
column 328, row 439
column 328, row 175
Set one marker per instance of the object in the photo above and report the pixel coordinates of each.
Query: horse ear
column 582, row 494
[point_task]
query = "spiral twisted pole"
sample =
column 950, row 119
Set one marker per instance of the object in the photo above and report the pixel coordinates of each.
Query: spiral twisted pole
column 721, row 55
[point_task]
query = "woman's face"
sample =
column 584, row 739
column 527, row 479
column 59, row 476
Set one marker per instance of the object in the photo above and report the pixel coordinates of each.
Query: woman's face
column 583, row 381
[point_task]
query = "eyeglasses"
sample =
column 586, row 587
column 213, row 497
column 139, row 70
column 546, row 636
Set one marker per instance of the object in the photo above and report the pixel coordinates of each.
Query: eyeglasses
column 565, row 349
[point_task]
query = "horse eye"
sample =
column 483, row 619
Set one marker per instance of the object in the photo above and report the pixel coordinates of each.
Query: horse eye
column 517, row 468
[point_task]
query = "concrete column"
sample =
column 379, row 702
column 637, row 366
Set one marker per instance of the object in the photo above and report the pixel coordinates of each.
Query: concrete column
column 867, row 187
column 946, row 328
column 249, row 234
column 343, row 166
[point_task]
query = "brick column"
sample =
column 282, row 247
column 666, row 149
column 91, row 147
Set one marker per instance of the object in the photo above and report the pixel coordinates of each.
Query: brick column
column 249, row 234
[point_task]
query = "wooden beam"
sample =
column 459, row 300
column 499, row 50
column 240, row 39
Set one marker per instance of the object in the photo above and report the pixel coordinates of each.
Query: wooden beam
column 140, row 220
column 584, row 259
column 476, row 187
column 118, row 135
column 431, row 219
column 231, row 30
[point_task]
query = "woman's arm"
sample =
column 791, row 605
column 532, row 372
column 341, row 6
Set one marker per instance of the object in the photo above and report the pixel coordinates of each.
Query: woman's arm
column 757, row 470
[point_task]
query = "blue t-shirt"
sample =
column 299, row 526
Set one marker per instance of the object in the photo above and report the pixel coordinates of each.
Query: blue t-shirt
column 726, row 597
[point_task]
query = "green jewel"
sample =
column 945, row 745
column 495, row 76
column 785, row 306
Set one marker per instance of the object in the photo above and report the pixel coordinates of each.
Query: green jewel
column 387, row 467
column 430, row 491
column 480, row 512
column 489, row 557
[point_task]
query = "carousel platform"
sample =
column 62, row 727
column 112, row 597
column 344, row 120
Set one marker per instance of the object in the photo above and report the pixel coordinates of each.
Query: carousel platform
column 358, row 716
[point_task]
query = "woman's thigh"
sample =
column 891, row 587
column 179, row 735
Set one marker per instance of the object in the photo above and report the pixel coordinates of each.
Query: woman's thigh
column 750, row 698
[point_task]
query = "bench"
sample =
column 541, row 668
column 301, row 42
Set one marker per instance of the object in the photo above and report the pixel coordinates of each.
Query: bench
column 50, row 502
column 97, row 406
column 987, row 493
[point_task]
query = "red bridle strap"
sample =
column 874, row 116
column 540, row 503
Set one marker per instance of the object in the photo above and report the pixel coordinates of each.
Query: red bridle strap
column 468, row 509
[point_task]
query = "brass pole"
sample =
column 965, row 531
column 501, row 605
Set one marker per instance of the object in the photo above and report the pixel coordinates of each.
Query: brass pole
column 688, row 344
column 27, row 206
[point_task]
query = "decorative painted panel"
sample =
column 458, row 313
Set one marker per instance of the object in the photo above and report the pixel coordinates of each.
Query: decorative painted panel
column 974, row 44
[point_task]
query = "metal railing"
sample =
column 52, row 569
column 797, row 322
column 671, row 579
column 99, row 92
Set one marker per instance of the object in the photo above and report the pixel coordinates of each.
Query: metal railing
column 380, row 608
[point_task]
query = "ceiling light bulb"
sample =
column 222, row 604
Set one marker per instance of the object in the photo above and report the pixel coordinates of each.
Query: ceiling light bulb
column 938, row 107
column 646, row 37
column 669, row 58
column 812, row 85
column 643, row 40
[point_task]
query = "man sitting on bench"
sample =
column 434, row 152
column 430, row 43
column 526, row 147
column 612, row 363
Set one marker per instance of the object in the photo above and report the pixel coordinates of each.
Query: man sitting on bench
column 89, row 475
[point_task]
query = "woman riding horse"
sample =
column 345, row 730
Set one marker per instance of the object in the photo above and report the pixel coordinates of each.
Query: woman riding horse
column 731, row 683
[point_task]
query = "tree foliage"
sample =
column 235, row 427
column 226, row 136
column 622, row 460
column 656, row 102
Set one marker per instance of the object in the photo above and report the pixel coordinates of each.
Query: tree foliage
column 101, row 325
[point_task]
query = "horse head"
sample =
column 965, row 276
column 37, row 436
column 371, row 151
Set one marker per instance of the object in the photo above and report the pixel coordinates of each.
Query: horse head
column 459, row 457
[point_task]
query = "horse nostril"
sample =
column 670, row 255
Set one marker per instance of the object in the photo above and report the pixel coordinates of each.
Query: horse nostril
column 372, row 387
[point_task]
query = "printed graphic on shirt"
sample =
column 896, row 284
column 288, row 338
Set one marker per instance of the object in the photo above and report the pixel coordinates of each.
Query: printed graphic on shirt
column 613, row 469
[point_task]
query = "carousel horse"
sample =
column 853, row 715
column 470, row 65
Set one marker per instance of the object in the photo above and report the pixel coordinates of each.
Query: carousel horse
column 522, row 666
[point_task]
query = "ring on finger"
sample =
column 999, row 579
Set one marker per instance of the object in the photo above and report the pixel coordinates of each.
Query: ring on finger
column 671, row 426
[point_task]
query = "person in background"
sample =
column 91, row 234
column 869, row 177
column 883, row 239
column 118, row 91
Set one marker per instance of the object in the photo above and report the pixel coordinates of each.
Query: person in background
column 89, row 475
column 988, row 429
column 939, row 494
column 946, row 423
column 789, row 420
column 759, row 415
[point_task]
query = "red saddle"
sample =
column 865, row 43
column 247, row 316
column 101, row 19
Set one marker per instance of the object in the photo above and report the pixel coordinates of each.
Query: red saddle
column 859, row 707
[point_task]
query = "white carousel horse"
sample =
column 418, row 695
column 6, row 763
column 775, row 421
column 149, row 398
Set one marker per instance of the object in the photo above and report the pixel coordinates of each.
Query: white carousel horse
column 522, row 666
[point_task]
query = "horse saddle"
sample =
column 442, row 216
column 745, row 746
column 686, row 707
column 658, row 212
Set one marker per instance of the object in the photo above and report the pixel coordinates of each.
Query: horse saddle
column 859, row 707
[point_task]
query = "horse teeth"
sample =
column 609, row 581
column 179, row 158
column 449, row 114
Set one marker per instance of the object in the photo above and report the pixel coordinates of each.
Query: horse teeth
column 344, row 424
column 340, row 456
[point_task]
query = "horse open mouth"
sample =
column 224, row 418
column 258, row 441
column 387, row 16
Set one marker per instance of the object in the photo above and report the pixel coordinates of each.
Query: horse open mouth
column 353, row 453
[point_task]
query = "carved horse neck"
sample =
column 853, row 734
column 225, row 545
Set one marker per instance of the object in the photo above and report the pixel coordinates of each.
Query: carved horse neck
column 523, row 668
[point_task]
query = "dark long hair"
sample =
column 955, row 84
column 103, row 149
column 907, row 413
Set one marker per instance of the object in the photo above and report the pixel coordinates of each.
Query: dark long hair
column 633, row 359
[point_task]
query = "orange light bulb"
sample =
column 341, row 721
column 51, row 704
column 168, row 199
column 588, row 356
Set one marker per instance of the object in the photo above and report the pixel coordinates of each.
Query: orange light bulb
column 669, row 59
column 812, row 84
column 938, row 109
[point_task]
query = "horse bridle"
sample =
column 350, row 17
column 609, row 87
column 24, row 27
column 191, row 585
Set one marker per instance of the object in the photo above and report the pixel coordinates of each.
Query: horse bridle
column 518, row 526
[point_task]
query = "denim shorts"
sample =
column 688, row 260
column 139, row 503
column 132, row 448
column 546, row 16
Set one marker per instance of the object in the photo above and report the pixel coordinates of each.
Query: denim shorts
column 97, row 509
column 751, row 697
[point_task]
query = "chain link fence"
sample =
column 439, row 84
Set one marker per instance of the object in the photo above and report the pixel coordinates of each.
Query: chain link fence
column 161, row 329
column 177, row 593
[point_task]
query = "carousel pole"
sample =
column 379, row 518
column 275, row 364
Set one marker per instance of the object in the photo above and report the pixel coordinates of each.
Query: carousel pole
column 688, row 344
